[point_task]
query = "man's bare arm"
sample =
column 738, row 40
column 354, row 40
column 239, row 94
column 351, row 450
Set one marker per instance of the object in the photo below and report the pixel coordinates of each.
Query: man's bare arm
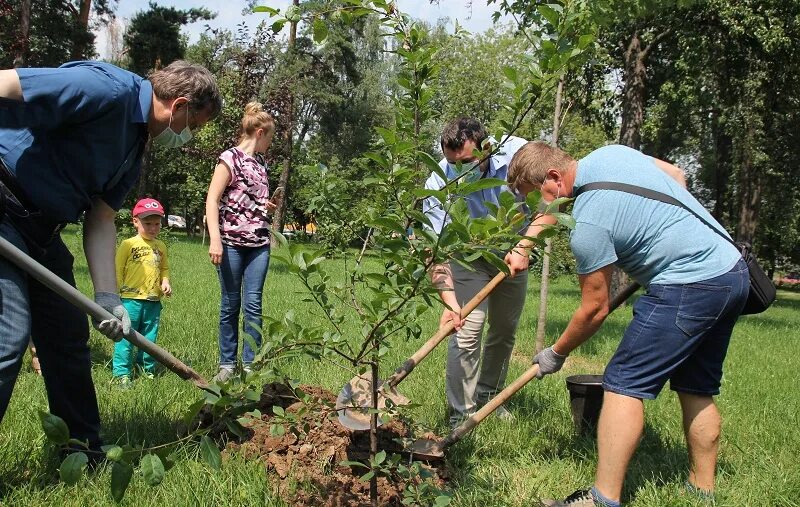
column 10, row 87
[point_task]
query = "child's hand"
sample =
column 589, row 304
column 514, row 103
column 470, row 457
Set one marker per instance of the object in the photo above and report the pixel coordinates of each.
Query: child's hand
column 166, row 288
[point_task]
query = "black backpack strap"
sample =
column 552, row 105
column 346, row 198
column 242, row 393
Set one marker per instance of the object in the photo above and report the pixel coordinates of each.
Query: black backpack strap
column 648, row 194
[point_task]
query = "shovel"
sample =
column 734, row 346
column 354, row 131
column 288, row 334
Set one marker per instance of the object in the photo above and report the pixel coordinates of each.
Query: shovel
column 355, row 399
column 428, row 449
column 74, row 296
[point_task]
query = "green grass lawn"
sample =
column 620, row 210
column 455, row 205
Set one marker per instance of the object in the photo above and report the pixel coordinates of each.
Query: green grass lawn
column 501, row 463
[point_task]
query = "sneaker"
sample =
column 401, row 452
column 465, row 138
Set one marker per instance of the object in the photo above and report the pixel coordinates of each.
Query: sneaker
column 148, row 375
column 123, row 381
column 580, row 498
column 224, row 375
column 503, row 414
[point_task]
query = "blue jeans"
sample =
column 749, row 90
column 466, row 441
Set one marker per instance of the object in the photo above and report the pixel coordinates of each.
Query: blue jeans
column 241, row 276
column 60, row 332
column 679, row 333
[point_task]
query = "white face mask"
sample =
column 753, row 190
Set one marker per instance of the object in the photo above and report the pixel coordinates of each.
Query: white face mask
column 170, row 139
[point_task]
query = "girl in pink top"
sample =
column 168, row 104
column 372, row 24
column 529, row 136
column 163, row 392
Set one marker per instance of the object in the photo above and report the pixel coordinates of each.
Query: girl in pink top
column 237, row 209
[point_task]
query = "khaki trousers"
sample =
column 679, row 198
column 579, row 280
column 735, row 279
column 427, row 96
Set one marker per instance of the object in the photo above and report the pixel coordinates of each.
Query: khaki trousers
column 472, row 380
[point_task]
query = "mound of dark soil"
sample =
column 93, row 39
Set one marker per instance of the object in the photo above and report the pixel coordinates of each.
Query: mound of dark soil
column 307, row 468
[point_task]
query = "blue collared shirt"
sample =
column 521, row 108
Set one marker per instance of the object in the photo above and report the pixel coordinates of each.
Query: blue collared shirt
column 498, row 168
column 78, row 135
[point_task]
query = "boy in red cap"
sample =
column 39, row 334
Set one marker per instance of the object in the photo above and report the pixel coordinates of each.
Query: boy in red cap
column 142, row 277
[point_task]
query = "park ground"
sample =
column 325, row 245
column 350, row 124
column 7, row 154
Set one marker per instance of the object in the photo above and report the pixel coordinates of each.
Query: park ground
column 502, row 463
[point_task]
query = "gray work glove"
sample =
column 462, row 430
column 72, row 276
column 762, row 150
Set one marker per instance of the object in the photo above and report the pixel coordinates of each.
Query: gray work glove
column 116, row 328
column 549, row 361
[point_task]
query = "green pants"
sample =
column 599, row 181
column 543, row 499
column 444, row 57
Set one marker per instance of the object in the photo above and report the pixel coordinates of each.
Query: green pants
column 145, row 316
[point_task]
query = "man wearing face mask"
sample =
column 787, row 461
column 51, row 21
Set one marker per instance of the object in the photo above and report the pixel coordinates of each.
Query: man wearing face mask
column 71, row 143
column 697, row 284
column 473, row 380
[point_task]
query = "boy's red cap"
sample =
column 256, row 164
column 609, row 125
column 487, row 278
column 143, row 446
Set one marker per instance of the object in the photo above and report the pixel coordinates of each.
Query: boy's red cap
column 146, row 207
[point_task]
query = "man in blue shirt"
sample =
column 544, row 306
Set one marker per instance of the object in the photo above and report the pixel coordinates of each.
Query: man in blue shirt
column 71, row 142
column 471, row 379
column 697, row 285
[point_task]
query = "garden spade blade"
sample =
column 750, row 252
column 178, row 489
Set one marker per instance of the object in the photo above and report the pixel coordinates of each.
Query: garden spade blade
column 74, row 296
column 355, row 398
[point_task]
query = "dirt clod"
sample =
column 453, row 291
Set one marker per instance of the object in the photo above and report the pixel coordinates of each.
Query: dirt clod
column 307, row 469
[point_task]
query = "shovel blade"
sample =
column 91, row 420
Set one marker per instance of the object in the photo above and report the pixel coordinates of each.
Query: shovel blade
column 427, row 449
column 355, row 401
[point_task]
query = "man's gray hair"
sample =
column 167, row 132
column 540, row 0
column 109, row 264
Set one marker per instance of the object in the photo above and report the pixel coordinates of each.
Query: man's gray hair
column 183, row 79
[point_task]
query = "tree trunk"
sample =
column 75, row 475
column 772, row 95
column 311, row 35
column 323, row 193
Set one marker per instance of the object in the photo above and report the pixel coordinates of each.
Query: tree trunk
column 141, row 188
column 750, row 189
column 21, row 57
column 723, row 146
column 280, row 213
column 373, row 425
column 633, row 96
column 541, row 322
column 635, row 76
column 83, row 20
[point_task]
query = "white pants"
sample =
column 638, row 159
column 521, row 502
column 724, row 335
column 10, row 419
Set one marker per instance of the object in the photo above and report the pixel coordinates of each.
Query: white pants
column 471, row 381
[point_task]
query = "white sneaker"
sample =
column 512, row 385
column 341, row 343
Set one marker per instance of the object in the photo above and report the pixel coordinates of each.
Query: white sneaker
column 225, row 374
column 503, row 414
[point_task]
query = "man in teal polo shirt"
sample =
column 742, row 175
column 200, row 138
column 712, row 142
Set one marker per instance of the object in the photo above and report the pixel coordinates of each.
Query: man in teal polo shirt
column 71, row 142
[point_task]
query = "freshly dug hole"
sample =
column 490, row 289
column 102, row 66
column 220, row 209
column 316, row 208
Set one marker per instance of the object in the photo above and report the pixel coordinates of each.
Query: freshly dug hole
column 307, row 469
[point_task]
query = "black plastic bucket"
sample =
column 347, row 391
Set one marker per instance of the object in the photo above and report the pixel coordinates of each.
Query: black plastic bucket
column 586, row 400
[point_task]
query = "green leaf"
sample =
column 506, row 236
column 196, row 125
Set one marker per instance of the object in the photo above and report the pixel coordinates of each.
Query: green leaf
column 72, row 467
column 278, row 25
column 113, row 452
column 349, row 463
column 549, row 14
column 277, row 430
column 278, row 236
column 442, row 501
column 269, row 10
column 320, row 31
column 510, row 73
column 482, row 184
column 121, row 474
column 54, row 427
column 388, row 223
column 380, row 458
column 432, row 164
column 440, row 195
column 210, row 452
column 278, row 411
column 367, row 476
column 389, row 137
column 153, row 469
column 192, row 411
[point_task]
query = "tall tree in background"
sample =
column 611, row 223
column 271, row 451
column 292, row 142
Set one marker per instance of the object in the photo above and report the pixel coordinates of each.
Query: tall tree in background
column 153, row 37
column 48, row 33
column 288, row 122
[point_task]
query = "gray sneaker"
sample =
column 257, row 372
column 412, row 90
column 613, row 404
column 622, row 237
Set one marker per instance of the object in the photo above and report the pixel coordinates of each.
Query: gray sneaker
column 580, row 498
column 503, row 414
column 224, row 375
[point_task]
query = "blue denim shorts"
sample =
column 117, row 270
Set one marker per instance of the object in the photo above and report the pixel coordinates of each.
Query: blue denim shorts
column 679, row 333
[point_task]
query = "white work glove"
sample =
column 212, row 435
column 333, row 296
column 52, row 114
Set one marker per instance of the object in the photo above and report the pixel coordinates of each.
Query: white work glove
column 549, row 361
column 118, row 327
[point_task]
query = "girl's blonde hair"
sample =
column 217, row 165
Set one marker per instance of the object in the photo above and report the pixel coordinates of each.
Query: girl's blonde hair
column 256, row 118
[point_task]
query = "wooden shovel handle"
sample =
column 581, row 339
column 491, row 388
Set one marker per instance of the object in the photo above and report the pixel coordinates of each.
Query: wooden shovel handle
column 518, row 384
column 77, row 298
column 403, row 371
